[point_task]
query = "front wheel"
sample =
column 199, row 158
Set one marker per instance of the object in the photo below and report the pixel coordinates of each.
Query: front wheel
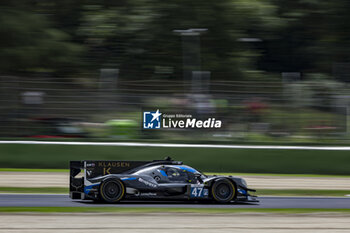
column 112, row 190
column 223, row 191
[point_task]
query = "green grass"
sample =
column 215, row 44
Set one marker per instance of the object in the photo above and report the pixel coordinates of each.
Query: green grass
column 260, row 192
column 205, row 159
column 33, row 190
column 302, row 192
column 163, row 210
column 32, row 170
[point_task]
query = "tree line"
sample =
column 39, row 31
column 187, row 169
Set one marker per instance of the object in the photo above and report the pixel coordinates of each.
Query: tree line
column 245, row 39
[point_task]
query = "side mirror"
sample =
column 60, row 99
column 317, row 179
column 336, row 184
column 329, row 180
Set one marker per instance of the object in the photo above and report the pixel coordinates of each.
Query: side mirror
column 198, row 177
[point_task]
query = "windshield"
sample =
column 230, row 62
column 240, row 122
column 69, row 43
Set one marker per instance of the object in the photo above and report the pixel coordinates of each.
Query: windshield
column 192, row 170
column 176, row 174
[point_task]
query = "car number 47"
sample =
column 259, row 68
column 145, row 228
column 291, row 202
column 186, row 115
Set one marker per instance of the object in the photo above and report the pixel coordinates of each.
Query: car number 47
column 197, row 192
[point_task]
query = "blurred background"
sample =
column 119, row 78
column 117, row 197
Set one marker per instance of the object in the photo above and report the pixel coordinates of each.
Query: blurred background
column 272, row 71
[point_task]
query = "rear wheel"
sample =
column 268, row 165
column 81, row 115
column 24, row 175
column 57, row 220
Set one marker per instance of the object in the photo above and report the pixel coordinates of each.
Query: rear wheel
column 112, row 190
column 223, row 191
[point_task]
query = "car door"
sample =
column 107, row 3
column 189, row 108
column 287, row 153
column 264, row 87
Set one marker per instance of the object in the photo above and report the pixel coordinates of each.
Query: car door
column 177, row 181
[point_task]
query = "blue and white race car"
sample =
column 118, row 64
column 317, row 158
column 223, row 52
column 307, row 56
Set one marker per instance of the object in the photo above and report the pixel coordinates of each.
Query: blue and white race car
column 114, row 181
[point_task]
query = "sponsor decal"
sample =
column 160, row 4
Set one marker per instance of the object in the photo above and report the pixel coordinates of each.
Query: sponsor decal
column 90, row 165
column 147, row 183
column 146, row 194
column 107, row 165
column 158, row 120
column 106, row 170
column 113, row 164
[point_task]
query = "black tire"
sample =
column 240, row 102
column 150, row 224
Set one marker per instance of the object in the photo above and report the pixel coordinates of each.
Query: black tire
column 223, row 191
column 112, row 190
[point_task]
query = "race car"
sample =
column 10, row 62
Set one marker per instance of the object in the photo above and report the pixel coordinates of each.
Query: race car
column 114, row 181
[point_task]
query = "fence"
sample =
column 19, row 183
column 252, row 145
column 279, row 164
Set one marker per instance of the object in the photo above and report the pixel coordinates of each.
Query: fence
column 84, row 107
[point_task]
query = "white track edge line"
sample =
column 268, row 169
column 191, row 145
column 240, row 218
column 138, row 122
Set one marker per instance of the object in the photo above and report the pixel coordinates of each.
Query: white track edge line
column 141, row 144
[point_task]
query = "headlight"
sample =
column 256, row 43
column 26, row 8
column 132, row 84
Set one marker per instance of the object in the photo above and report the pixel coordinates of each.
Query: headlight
column 244, row 182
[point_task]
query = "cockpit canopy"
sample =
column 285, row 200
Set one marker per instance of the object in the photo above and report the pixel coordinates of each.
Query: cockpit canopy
column 171, row 173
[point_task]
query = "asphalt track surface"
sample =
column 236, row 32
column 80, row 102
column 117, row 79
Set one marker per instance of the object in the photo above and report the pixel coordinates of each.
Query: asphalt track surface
column 57, row 200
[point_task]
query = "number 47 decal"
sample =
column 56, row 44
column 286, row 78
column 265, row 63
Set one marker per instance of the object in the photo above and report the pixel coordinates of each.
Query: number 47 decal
column 199, row 192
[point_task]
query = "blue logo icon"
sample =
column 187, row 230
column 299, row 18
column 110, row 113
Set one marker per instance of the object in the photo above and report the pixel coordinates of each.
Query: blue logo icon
column 151, row 120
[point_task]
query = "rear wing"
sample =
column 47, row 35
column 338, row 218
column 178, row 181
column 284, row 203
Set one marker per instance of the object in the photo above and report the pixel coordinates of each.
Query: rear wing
column 76, row 183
